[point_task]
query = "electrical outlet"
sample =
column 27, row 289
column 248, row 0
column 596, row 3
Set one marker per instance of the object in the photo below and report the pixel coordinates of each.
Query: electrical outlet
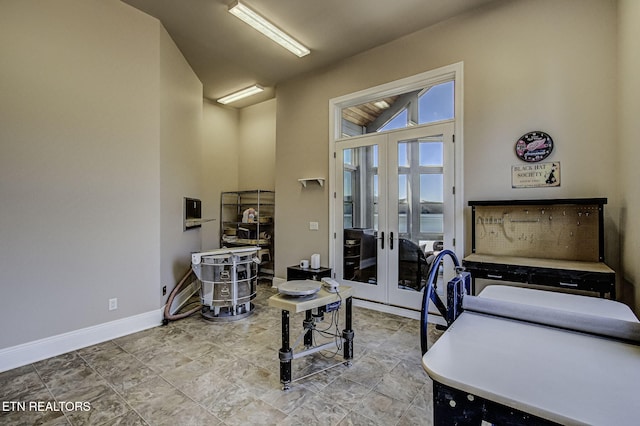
column 164, row 290
column 313, row 226
column 113, row 304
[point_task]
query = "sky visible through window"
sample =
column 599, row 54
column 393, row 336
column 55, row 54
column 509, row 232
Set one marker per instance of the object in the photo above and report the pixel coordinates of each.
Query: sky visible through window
column 436, row 104
column 431, row 155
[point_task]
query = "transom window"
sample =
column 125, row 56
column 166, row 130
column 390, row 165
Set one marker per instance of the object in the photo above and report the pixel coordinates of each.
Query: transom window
column 427, row 105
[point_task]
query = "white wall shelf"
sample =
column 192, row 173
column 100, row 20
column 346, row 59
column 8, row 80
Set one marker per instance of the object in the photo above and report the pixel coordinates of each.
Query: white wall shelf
column 304, row 181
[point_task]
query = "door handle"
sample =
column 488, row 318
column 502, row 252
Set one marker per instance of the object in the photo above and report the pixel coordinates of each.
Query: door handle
column 390, row 240
column 382, row 240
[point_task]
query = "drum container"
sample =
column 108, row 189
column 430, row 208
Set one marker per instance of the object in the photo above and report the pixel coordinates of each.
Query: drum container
column 228, row 283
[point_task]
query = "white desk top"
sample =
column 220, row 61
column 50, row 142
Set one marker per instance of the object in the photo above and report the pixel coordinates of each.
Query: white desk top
column 301, row 304
column 566, row 377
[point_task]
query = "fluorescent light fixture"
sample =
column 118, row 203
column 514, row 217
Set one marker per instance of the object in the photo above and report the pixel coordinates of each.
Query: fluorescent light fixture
column 247, row 15
column 240, row 94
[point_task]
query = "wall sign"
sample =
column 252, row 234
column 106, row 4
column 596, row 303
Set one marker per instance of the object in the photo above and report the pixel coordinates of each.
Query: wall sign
column 534, row 146
column 535, row 175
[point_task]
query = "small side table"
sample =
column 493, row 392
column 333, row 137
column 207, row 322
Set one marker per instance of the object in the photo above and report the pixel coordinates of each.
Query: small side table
column 293, row 305
column 298, row 273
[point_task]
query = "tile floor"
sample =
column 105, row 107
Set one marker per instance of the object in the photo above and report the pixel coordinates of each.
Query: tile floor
column 197, row 372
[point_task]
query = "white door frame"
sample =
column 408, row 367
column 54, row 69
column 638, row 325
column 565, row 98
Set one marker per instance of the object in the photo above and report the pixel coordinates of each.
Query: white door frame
column 397, row 296
column 450, row 72
column 375, row 292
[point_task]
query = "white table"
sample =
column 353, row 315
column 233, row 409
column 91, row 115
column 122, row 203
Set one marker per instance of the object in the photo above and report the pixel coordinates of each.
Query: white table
column 491, row 366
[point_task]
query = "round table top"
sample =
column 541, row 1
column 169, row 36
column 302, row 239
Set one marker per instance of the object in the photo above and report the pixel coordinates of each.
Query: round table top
column 299, row 287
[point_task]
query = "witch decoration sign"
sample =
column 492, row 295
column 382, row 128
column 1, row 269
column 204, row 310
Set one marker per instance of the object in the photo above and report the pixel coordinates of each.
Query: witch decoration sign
column 535, row 175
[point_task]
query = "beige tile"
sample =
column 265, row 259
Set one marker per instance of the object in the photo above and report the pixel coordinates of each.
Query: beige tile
column 124, row 371
column 317, row 410
column 381, row 408
column 20, row 383
column 156, row 401
column 26, row 415
column 130, row 418
column 345, row 392
column 198, row 372
column 105, row 405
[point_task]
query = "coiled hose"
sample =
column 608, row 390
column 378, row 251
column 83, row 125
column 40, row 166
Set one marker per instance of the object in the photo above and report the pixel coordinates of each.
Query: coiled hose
column 167, row 308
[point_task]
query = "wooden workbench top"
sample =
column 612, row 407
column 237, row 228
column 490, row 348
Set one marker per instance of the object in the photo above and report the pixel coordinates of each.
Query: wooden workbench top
column 533, row 262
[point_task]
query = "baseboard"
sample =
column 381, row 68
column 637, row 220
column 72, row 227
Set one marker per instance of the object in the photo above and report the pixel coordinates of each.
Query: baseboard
column 27, row 353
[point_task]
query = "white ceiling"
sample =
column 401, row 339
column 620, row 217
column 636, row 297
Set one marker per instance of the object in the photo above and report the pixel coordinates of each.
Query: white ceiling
column 227, row 54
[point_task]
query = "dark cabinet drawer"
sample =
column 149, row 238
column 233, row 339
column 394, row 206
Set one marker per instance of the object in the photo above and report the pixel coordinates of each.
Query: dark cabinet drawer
column 497, row 272
column 577, row 280
column 600, row 282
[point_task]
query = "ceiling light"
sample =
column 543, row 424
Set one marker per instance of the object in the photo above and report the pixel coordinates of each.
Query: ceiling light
column 240, row 94
column 382, row 104
column 242, row 12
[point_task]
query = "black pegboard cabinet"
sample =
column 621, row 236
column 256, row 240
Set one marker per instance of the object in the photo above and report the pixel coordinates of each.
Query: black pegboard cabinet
column 571, row 272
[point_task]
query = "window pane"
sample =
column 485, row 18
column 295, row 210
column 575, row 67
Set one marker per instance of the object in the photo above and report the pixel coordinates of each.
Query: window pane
column 403, row 186
column 347, row 157
column 348, row 185
column 375, row 188
column 436, row 104
column 397, row 122
column 348, row 214
column 431, row 154
column 431, row 223
column 420, row 105
column 403, row 203
column 431, row 203
column 403, row 157
column 375, row 155
column 360, row 207
column 431, row 189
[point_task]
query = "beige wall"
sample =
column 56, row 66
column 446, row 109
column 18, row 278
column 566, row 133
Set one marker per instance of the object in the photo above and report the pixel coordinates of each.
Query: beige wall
column 85, row 143
column 180, row 152
column 219, row 165
column 238, row 153
column 257, row 156
column 528, row 65
column 629, row 153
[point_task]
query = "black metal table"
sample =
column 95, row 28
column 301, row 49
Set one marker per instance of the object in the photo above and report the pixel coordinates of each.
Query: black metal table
column 324, row 301
column 298, row 273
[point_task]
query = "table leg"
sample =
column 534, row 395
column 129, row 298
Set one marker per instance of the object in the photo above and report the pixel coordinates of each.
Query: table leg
column 285, row 353
column 612, row 291
column 347, row 333
column 308, row 325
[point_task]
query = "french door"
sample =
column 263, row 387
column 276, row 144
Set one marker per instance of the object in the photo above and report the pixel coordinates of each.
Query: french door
column 394, row 208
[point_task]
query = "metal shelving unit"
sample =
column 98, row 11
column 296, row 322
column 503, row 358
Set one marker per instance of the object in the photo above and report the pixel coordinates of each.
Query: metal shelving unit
column 247, row 219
